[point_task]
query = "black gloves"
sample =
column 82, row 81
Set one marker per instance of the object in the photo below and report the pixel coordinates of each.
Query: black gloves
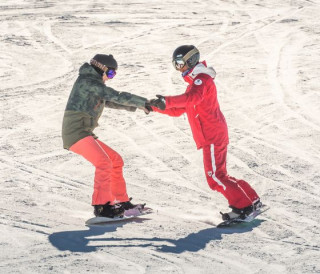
column 159, row 103
column 148, row 107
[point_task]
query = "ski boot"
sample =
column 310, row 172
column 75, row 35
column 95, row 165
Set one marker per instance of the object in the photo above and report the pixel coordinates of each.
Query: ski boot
column 128, row 205
column 242, row 213
column 109, row 211
column 131, row 209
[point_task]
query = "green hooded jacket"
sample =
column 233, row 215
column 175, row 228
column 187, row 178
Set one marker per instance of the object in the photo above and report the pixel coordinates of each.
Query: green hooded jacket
column 87, row 99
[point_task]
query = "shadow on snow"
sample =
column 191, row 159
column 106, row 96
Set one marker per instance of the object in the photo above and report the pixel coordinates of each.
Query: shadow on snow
column 85, row 241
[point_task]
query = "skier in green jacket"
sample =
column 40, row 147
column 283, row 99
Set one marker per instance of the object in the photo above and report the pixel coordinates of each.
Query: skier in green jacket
column 88, row 97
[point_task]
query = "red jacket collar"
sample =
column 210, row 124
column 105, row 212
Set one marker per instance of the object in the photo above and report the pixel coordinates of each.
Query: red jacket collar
column 190, row 76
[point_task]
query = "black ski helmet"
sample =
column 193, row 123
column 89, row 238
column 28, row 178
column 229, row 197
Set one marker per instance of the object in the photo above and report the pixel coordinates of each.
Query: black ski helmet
column 185, row 55
column 101, row 63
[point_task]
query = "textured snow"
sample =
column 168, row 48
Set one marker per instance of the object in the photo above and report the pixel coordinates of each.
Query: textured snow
column 266, row 54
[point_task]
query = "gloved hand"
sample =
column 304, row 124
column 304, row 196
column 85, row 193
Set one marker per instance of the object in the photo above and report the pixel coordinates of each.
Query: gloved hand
column 147, row 108
column 159, row 103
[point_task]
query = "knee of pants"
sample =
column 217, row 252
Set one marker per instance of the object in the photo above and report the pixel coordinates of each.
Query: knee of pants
column 104, row 164
column 214, row 185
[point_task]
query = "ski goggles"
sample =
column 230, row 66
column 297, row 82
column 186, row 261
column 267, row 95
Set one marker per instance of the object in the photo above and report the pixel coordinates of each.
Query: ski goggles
column 111, row 73
column 180, row 61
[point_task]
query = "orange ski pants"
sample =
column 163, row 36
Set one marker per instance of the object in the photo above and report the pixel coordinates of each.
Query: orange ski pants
column 109, row 184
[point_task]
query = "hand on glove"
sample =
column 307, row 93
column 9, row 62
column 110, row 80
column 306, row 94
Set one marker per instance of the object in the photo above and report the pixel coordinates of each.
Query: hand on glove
column 159, row 103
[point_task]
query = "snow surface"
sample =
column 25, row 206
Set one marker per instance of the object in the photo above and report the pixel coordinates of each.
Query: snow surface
column 266, row 54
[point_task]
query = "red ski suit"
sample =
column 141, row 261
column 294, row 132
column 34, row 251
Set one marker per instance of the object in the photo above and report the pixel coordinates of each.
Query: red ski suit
column 210, row 132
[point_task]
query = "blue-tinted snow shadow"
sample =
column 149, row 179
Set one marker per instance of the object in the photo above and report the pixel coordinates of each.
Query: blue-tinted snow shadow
column 197, row 241
column 84, row 241
column 79, row 240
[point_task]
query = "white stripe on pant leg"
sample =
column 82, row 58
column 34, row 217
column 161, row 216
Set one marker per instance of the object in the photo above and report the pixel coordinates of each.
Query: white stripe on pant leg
column 103, row 150
column 245, row 193
column 214, row 168
column 213, row 160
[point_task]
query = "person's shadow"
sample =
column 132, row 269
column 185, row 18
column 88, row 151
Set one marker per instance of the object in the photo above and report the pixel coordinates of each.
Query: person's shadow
column 78, row 241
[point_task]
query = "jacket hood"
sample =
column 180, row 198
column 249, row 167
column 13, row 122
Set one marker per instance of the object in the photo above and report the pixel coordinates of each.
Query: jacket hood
column 86, row 69
column 199, row 68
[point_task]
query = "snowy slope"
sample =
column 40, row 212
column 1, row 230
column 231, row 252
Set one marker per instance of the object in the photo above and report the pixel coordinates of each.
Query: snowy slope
column 266, row 54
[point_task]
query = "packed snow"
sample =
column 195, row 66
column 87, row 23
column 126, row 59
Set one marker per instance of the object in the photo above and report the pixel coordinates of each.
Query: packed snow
column 266, row 54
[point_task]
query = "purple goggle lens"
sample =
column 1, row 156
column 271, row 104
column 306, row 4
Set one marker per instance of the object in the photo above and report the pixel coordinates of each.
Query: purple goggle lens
column 111, row 73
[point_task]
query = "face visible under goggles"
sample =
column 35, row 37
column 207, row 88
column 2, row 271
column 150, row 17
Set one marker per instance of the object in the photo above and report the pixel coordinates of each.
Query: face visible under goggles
column 111, row 73
column 178, row 63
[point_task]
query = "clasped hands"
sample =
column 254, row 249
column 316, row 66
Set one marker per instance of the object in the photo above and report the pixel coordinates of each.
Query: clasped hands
column 159, row 103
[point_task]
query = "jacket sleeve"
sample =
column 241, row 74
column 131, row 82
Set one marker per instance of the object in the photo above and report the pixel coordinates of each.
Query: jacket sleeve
column 118, row 106
column 175, row 112
column 193, row 97
column 123, row 98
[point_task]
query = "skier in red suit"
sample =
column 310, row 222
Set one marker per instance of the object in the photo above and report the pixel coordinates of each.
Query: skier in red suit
column 209, row 129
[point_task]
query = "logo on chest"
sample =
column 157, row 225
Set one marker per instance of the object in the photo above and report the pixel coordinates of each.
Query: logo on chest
column 198, row 82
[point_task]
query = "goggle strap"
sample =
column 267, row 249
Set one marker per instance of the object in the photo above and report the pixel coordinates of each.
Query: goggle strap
column 189, row 54
column 98, row 65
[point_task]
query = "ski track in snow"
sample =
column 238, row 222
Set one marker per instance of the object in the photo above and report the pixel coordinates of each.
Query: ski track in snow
column 266, row 55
